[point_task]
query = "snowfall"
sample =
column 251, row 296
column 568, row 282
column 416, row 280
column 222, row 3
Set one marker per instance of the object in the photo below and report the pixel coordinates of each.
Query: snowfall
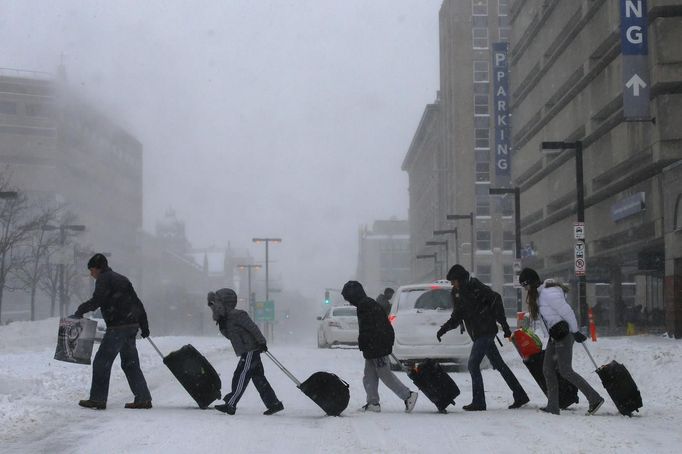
column 39, row 409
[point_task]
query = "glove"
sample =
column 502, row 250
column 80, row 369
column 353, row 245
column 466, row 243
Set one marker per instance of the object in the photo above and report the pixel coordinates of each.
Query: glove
column 75, row 316
column 441, row 332
column 262, row 348
column 507, row 333
column 144, row 332
column 579, row 337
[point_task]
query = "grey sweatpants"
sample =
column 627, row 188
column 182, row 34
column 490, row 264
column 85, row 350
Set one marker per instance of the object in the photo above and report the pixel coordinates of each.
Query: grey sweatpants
column 559, row 355
column 378, row 368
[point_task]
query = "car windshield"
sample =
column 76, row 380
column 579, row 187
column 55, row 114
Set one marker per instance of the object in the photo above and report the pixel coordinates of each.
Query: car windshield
column 345, row 312
column 425, row 298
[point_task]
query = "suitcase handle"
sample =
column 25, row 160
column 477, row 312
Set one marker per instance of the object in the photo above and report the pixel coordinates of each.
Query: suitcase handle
column 283, row 369
column 590, row 355
column 155, row 347
column 403, row 368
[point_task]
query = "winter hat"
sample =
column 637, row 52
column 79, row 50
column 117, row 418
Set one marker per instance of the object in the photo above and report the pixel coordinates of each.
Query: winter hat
column 98, row 261
column 458, row 273
column 353, row 292
column 530, row 277
column 226, row 297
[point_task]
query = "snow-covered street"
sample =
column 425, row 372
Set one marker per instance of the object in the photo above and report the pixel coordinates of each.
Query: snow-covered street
column 39, row 411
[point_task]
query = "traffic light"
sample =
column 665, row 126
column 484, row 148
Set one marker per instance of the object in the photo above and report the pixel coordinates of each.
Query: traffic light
column 326, row 297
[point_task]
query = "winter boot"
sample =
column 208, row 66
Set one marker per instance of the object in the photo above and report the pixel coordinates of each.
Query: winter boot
column 279, row 406
column 93, row 404
column 518, row 403
column 142, row 405
column 594, row 406
column 226, row 408
column 473, row 407
column 376, row 408
column 410, row 402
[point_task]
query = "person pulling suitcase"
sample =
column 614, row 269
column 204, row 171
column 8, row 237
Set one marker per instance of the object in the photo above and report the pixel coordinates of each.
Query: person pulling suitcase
column 375, row 340
column 547, row 301
column 248, row 343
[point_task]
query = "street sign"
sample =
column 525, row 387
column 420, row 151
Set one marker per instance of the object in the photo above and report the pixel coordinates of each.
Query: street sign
column 580, row 261
column 579, row 230
column 265, row 311
column 501, row 109
column 635, row 48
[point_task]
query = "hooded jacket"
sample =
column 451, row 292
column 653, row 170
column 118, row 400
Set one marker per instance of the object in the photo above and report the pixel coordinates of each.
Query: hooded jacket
column 553, row 306
column 479, row 308
column 236, row 325
column 375, row 333
column 119, row 304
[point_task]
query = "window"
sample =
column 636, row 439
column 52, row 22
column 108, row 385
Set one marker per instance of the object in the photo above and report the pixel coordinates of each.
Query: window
column 481, row 88
column 482, row 205
column 481, row 71
column 483, row 273
column 482, row 156
column 508, row 271
column 506, row 205
column 483, row 241
column 481, row 106
column 37, row 110
column 502, row 7
column 8, row 108
column 508, row 242
column 504, row 34
column 483, row 171
column 479, row 7
column 480, row 38
column 481, row 139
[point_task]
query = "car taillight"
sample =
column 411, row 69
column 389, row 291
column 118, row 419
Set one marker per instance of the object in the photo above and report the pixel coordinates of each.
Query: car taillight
column 391, row 318
column 334, row 324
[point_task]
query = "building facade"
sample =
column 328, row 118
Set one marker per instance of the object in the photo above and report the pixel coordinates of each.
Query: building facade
column 384, row 255
column 570, row 63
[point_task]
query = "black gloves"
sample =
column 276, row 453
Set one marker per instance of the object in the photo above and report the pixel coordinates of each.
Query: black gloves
column 507, row 333
column 144, row 332
column 262, row 348
column 579, row 337
column 441, row 332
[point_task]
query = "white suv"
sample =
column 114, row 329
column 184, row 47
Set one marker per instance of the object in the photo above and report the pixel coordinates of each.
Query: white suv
column 417, row 312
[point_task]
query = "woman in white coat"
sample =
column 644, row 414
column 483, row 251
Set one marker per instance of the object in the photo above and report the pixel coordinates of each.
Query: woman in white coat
column 547, row 300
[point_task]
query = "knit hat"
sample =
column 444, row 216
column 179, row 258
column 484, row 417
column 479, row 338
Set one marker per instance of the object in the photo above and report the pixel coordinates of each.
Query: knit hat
column 530, row 277
column 458, row 273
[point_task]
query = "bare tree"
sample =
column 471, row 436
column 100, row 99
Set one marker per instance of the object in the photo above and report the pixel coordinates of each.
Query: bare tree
column 39, row 246
column 16, row 225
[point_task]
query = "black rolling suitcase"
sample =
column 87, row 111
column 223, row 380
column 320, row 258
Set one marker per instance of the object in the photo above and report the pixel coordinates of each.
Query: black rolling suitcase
column 568, row 392
column 435, row 383
column 194, row 373
column 619, row 384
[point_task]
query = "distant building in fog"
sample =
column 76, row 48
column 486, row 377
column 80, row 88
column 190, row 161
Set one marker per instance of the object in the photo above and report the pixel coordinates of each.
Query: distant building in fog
column 58, row 146
column 384, row 255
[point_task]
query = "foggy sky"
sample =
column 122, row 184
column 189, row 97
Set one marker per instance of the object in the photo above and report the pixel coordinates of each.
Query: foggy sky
column 258, row 118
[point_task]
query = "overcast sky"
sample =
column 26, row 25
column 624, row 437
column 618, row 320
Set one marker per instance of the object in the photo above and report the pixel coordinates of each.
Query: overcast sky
column 285, row 118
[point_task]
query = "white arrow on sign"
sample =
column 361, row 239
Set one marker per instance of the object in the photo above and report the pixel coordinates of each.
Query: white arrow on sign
column 635, row 83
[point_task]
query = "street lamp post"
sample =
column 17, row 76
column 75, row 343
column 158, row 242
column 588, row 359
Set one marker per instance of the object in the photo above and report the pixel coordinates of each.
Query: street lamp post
column 517, row 230
column 446, row 232
column 249, row 267
column 267, row 242
column 558, row 147
column 470, row 217
column 433, row 256
column 447, row 252
column 62, row 240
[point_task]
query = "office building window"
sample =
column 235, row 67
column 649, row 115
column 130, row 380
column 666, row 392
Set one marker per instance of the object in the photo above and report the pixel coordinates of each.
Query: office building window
column 479, row 7
column 481, row 139
column 482, row 172
column 502, row 7
column 505, row 205
column 479, row 38
column 508, row 274
column 504, row 34
column 482, row 205
column 508, row 242
column 8, row 108
column 481, row 71
column 482, row 88
column 483, row 273
column 481, row 106
column 482, row 155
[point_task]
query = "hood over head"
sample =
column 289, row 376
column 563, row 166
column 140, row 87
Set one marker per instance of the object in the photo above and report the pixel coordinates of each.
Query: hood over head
column 353, row 292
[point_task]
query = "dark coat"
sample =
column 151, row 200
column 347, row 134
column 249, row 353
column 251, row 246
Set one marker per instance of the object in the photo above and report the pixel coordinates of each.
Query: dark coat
column 384, row 303
column 480, row 308
column 116, row 297
column 242, row 332
column 375, row 336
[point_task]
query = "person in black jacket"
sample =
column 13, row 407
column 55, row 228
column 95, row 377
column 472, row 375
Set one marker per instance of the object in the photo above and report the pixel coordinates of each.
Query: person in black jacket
column 384, row 299
column 480, row 309
column 375, row 340
column 124, row 314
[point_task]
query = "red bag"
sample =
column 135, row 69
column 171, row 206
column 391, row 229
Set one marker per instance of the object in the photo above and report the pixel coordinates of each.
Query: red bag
column 527, row 343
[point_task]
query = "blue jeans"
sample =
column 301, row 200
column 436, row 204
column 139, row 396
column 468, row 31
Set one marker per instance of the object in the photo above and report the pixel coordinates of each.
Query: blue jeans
column 115, row 341
column 485, row 346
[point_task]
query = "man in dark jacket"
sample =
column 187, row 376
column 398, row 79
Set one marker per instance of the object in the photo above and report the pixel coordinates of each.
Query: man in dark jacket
column 375, row 340
column 480, row 309
column 248, row 343
column 124, row 314
column 384, row 299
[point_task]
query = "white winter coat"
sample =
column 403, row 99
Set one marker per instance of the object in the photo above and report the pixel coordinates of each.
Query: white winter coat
column 554, row 308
